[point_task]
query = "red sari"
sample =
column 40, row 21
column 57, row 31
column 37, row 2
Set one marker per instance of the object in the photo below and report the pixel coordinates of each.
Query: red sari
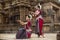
column 39, row 23
column 28, row 26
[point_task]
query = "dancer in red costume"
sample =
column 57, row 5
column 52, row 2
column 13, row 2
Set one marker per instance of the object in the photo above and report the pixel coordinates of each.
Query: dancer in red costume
column 39, row 21
column 27, row 26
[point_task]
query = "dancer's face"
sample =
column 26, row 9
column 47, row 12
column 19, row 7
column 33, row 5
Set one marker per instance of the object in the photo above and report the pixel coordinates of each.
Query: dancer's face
column 27, row 18
column 36, row 12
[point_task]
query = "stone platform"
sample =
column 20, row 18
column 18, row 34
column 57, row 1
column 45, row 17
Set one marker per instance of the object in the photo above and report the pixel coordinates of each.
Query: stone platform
column 48, row 36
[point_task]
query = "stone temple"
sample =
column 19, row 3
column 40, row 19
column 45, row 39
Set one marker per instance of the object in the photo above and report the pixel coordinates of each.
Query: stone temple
column 12, row 10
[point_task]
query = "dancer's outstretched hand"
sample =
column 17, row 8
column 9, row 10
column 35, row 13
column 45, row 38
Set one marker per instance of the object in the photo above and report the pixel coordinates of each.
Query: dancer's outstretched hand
column 21, row 22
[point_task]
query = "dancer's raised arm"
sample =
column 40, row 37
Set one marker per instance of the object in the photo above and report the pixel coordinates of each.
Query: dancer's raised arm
column 21, row 22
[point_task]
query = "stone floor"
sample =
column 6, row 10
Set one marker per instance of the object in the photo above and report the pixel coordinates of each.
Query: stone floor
column 48, row 36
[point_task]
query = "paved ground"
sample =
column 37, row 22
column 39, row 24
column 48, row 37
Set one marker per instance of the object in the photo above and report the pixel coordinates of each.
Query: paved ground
column 48, row 36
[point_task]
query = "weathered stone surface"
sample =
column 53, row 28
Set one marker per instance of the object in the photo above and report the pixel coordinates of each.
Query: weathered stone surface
column 12, row 10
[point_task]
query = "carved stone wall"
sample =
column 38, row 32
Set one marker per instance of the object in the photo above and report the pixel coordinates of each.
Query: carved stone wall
column 12, row 10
